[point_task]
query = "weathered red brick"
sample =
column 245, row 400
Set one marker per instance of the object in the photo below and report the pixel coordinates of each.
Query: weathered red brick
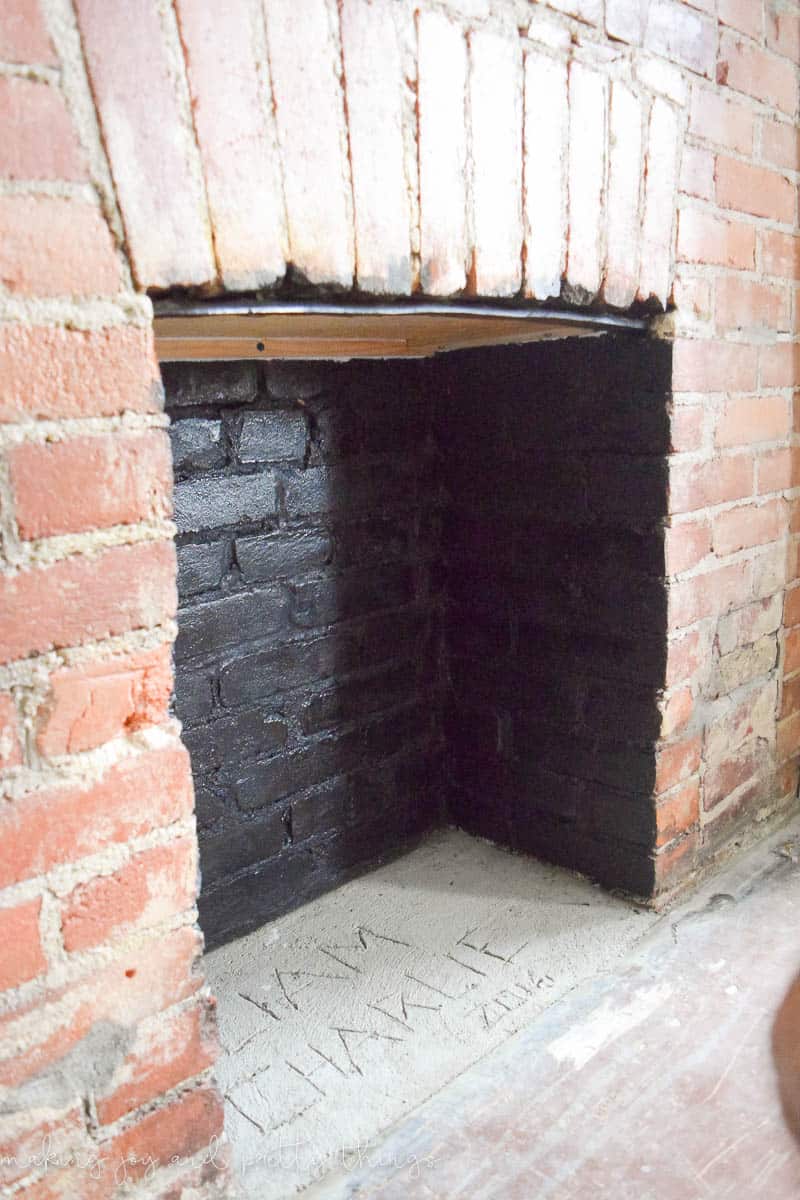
column 787, row 741
column 39, row 140
column 167, row 1050
column 745, row 303
column 714, row 117
column 143, row 792
column 686, row 427
column 748, row 419
column 85, row 598
column 791, row 608
column 60, row 1132
column 697, row 172
column 678, row 813
column 731, row 773
column 10, row 745
column 783, row 31
column 686, row 545
column 675, row 862
column 676, row 711
column 715, row 241
column 791, row 661
column 780, row 143
column 161, row 198
column 23, row 36
column 49, row 372
column 713, row 366
column 780, row 253
column 90, row 705
column 713, row 593
column 677, row 761
column 157, row 973
column 682, row 35
column 90, row 482
column 660, row 185
column 155, row 885
column 684, row 657
column 23, row 957
column 764, row 76
column 780, row 365
column 696, row 485
column 55, row 246
column 774, row 471
column 755, row 190
column 744, row 15
column 748, row 525
column 176, row 1131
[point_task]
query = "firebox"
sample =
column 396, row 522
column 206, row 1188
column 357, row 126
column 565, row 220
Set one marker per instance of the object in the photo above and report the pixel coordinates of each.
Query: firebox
column 417, row 592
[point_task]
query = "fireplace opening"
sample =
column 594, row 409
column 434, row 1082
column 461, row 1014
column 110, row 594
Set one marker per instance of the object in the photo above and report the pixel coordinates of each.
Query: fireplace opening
column 416, row 593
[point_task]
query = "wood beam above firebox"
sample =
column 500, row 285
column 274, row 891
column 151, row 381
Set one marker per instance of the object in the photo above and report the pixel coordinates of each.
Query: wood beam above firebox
column 239, row 331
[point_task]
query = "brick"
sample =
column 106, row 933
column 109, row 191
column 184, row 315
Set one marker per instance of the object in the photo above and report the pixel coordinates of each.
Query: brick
column 230, row 107
column 545, row 146
column 152, row 154
column 731, row 727
column 625, row 20
column 684, row 657
column 711, row 594
column 715, row 241
column 191, row 385
column 202, row 567
column 780, row 144
column 49, row 373
column 23, row 34
column 742, row 15
column 780, row 365
column 228, row 741
column 724, row 779
column 755, row 190
column 677, row 711
column 713, row 366
column 144, row 792
column 441, row 96
column 748, row 419
column 289, row 553
column 375, row 128
column 272, row 437
column 749, row 624
column 787, row 742
column 166, row 1051
column 196, row 444
column 220, row 625
column 589, row 11
column 692, row 295
column 686, row 545
column 10, row 745
column 676, row 761
column 587, row 167
column 40, row 141
column 171, row 1133
column 697, row 173
column 676, row 862
column 790, row 697
column 744, row 303
column 791, row 662
column 321, row 241
column 774, row 471
column 120, row 589
column 90, row 483
column 748, row 525
column 495, row 84
column 662, row 77
column 780, row 254
column 742, row 665
column 714, row 117
column 625, row 173
column 155, row 973
column 153, row 886
column 764, row 76
column 791, row 612
column 782, row 31
column 47, row 1133
column 90, row 705
column 679, row 813
column 682, row 35
column 53, row 246
column 23, row 957
column 711, row 481
column 686, row 428
column 227, row 500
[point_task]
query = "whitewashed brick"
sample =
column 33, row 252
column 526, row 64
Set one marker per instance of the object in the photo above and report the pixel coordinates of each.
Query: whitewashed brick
column 590, row 11
column 546, row 128
column 587, row 169
column 230, row 103
column 659, row 202
column 442, row 83
column 496, row 116
column 625, row 20
column 624, row 180
column 659, row 76
column 309, row 112
column 549, row 30
column 373, row 82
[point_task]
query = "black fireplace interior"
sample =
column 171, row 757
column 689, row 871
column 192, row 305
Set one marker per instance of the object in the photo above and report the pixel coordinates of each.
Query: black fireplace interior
column 416, row 593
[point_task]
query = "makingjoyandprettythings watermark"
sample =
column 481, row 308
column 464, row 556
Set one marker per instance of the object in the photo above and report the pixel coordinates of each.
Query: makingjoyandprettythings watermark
column 127, row 1168
column 306, row 1158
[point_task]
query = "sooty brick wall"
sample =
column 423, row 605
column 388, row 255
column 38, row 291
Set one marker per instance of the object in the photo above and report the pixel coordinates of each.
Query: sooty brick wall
column 308, row 656
column 553, row 548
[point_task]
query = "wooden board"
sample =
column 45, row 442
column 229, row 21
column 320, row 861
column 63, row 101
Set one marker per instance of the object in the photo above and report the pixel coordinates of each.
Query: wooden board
column 342, row 336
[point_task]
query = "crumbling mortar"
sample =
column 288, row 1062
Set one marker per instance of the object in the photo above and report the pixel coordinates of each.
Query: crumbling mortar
column 73, row 427
column 334, row 12
column 91, row 315
column 44, row 552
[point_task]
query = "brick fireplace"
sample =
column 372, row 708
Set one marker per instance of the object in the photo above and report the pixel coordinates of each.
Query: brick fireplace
column 627, row 156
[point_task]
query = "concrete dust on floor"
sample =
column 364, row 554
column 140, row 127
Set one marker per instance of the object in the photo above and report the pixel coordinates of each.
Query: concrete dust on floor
column 342, row 1017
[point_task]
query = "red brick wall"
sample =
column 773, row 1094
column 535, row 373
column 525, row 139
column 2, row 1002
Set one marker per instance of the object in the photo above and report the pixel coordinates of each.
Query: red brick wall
column 376, row 168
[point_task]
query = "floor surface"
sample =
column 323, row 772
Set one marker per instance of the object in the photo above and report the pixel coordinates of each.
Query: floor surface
column 465, row 1023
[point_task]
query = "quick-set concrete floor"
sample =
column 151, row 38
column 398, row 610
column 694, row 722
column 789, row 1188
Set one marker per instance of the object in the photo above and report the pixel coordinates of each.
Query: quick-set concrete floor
column 465, row 1023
